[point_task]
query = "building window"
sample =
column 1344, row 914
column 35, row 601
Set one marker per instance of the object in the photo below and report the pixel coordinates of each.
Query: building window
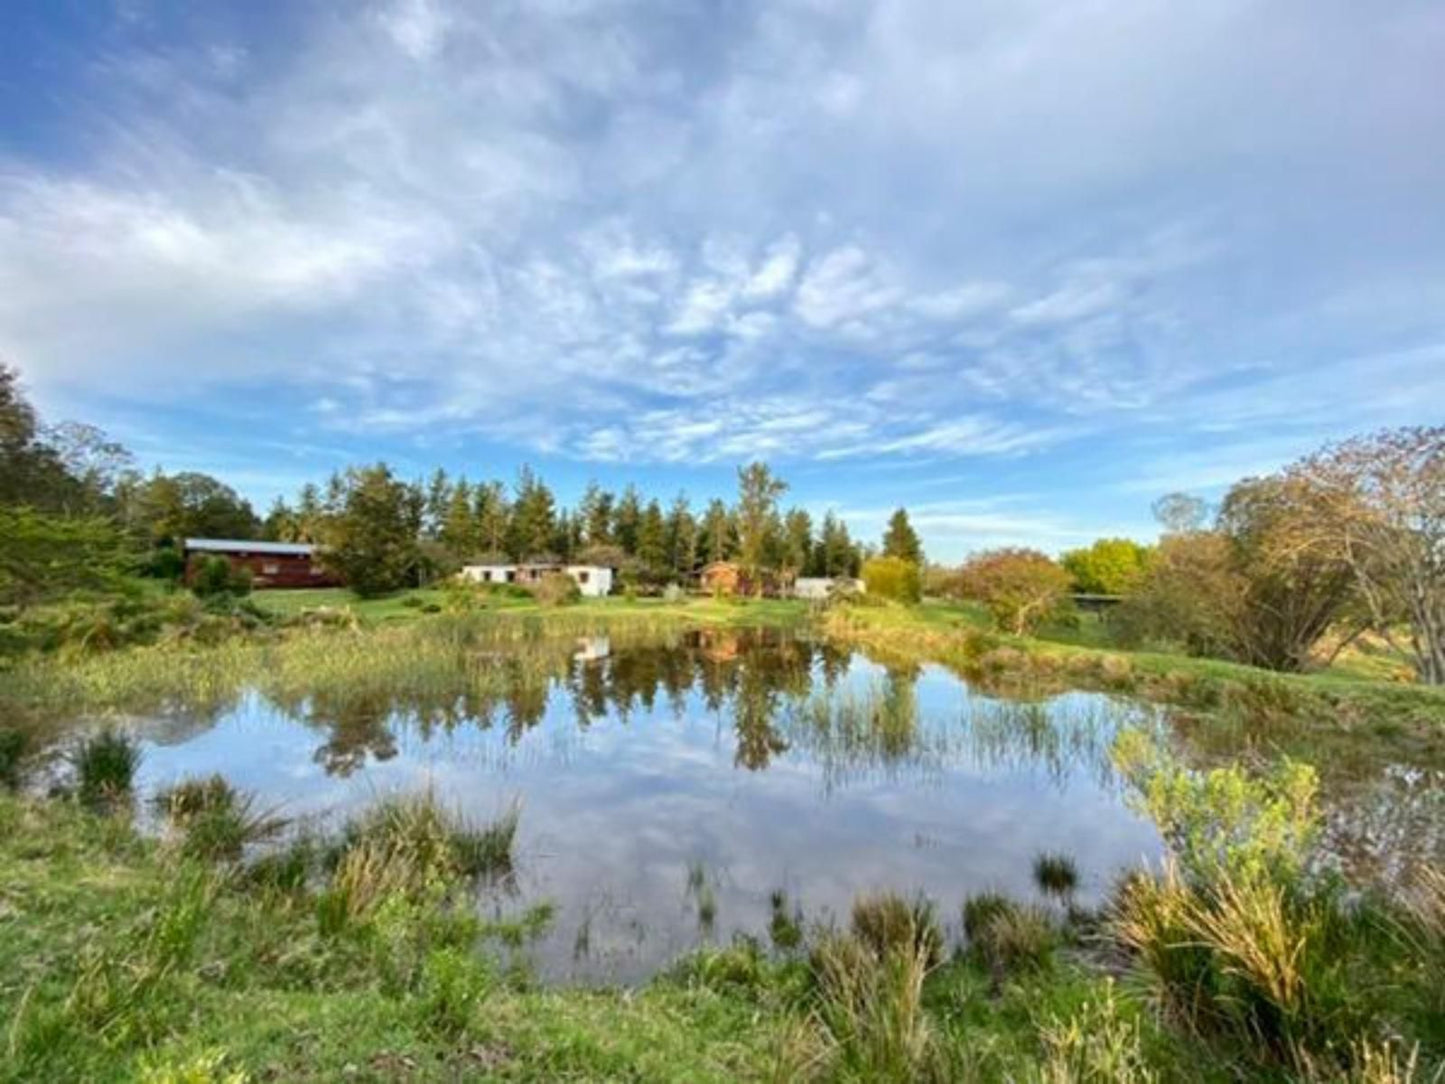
column 511, row 576
column 270, row 568
column 581, row 576
column 316, row 570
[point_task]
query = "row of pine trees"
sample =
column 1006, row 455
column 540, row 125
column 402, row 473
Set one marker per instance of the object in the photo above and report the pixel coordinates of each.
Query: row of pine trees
column 446, row 521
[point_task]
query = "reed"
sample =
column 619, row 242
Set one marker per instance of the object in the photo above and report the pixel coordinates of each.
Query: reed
column 105, row 764
column 1055, row 874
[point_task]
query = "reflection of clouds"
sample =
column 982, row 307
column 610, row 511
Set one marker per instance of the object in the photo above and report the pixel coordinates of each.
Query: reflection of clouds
column 615, row 810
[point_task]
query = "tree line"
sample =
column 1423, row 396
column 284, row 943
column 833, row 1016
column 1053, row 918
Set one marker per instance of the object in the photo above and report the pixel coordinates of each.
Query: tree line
column 384, row 532
column 1286, row 572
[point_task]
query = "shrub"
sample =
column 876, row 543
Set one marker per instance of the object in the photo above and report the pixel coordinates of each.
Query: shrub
column 105, row 765
column 557, row 589
column 980, row 910
column 1022, row 588
column 215, row 578
column 893, row 578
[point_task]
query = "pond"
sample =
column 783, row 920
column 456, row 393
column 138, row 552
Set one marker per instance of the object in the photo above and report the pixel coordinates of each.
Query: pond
column 669, row 790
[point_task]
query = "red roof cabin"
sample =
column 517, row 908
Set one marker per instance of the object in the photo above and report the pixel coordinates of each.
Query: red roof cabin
column 271, row 564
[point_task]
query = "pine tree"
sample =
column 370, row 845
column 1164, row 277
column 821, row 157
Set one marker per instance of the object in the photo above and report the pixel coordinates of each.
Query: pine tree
column 682, row 538
column 717, row 542
column 594, row 515
column 652, row 541
column 493, row 518
column 458, row 528
column 797, row 541
column 901, row 540
column 627, row 520
column 758, row 493
column 438, row 503
column 533, row 517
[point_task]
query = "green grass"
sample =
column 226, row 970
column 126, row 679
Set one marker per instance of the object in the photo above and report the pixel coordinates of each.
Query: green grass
column 397, row 607
column 122, row 957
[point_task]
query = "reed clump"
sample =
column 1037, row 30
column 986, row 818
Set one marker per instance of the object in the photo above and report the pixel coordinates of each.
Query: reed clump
column 216, row 822
column 105, row 764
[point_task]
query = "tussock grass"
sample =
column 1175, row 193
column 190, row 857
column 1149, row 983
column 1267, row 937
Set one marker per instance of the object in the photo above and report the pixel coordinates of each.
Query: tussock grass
column 887, row 923
column 216, row 823
column 1055, row 874
column 105, row 764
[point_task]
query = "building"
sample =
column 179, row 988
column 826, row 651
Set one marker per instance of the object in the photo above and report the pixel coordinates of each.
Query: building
column 821, row 588
column 271, row 564
column 594, row 581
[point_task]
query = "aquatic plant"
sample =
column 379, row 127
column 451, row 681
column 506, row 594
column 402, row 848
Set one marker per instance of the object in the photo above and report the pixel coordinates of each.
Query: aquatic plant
column 886, row 922
column 981, row 909
column 105, row 764
column 785, row 927
column 216, row 822
column 1055, row 874
column 869, row 1011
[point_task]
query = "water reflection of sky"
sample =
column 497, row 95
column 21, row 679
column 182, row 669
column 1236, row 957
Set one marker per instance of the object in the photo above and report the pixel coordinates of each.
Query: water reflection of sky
column 616, row 812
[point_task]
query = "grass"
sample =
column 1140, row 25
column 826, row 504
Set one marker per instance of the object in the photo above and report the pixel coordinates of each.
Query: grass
column 123, row 957
column 1055, row 874
column 105, row 764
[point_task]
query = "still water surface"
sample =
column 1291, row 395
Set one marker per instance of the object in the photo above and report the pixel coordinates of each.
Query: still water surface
column 750, row 762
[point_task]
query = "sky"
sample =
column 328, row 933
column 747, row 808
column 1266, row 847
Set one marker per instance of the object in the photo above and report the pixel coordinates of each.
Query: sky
column 1021, row 266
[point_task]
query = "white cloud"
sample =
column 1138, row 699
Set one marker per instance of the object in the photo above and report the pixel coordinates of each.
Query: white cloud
column 684, row 233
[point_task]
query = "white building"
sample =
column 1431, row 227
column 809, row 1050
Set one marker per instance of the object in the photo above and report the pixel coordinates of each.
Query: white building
column 593, row 581
column 821, row 587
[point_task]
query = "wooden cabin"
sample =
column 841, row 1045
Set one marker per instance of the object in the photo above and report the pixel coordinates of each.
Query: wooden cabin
column 728, row 578
column 271, row 564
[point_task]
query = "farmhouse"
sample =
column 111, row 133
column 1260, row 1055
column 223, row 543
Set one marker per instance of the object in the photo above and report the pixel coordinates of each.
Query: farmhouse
column 271, row 564
column 594, row 581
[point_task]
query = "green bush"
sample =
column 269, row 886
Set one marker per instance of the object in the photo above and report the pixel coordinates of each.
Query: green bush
column 893, row 578
column 214, row 577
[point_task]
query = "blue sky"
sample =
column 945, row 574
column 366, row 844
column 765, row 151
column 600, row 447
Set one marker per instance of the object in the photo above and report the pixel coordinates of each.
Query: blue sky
column 1022, row 266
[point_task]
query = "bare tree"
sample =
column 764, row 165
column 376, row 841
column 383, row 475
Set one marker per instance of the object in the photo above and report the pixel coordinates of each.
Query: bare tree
column 1379, row 506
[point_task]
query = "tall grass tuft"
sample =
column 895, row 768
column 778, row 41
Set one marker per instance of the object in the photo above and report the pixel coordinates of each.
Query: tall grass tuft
column 105, row 764
column 411, row 847
column 216, row 822
column 870, row 1011
column 1055, row 874
column 887, row 923
column 1099, row 1044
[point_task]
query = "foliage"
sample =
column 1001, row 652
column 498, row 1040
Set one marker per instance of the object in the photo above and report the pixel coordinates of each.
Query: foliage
column 215, row 576
column 557, row 589
column 45, row 557
column 901, row 540
column 1224, row 818
column 1055, row 874
column 166, row 509
column 758, row 493
column 1376, row 506
column 1022, row 588
column 1108, row 566
column 892, row 578
column 105, row 764
column 373, row 537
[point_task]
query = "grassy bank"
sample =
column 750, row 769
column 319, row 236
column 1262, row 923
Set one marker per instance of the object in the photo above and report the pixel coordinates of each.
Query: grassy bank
column 222, row 951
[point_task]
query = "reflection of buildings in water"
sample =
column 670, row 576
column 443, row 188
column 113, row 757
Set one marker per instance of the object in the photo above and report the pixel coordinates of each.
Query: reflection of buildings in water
column 592, row 649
